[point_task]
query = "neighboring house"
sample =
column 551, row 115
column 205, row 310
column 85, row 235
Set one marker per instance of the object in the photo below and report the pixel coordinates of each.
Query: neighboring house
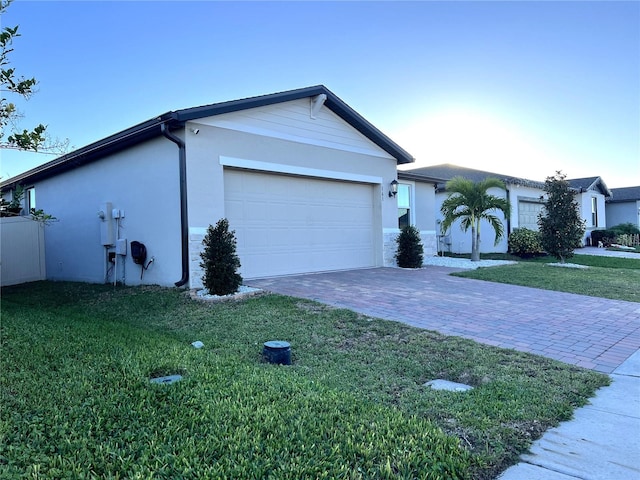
column 623, row 206
column 526, row 198
column 592, row 193
column 302, row 178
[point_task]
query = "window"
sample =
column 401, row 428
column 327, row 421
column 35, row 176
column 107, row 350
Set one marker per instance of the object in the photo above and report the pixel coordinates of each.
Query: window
column 31, row 198
column 404, row 205
column 594, row 211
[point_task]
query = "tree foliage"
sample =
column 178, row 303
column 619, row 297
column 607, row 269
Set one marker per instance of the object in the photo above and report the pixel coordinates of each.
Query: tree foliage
column 470, row 203
column 409, row 253
column 14, row 137
column 219, row 260
column 561, row 228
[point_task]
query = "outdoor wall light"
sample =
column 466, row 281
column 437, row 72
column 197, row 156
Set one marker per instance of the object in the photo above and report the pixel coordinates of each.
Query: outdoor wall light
column 393, row 188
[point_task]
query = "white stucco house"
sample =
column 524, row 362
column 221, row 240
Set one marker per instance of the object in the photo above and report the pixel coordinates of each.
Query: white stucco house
column 623, row 206
column 302, row 178
column 591, row 195
column 526, row 198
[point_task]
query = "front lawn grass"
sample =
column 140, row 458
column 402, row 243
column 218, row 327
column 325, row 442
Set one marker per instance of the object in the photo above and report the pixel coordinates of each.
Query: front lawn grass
column 606, row 277
column 76, row 400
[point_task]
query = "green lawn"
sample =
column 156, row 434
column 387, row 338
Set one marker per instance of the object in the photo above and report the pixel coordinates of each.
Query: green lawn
column 606, row 277
column 76, row 400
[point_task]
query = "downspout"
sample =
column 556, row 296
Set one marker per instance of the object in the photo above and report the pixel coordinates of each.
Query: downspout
column 508, row 216
column 184, row 224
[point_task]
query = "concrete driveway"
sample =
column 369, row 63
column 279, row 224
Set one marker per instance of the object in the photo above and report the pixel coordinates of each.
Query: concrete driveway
column 594, row 333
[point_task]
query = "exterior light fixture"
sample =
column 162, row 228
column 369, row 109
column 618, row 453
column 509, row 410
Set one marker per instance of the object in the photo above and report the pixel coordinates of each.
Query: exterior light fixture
column 393, row 188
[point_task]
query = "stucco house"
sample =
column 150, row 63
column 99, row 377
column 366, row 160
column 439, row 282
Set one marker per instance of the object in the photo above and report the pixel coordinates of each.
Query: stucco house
column 591, row 193
column 623, row 206
column 526, row 198
column 302, row 178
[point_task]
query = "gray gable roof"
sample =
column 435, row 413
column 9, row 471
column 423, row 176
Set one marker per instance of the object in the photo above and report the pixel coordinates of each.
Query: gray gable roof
column 447, row 171
column 176, row 119
column 626, row 194
column 589, row 183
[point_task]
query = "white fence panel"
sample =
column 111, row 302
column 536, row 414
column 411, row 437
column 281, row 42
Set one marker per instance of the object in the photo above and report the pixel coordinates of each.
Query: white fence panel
column 21, row 251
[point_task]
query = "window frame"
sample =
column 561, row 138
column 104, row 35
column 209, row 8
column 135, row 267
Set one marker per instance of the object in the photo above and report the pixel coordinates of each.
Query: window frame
column 30, row 198
column 410, row 206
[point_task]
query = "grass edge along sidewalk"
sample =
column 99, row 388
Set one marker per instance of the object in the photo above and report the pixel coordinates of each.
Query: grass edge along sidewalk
column 76, row 398
column 605, row 277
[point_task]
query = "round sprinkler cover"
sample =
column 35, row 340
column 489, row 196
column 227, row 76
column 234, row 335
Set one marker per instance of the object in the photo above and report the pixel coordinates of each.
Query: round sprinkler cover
column 277, row 344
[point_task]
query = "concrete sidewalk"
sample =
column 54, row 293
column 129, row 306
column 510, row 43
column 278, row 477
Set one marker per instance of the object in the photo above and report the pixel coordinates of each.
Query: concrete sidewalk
column 601, row 442
column 603, row 252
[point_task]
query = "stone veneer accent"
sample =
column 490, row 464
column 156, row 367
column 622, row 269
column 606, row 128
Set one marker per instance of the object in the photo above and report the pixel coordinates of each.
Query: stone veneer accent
column 195, row 272
column 429, row 245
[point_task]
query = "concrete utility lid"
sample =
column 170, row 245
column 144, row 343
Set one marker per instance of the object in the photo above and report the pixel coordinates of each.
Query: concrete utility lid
column 440, row 384
column 167, row 379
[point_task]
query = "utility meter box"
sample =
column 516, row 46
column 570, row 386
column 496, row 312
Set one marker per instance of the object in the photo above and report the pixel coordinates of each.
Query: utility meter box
column 121, row 246
column 107, row 229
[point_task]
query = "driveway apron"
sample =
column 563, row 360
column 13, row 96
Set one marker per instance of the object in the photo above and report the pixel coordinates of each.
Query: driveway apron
column 591, row 332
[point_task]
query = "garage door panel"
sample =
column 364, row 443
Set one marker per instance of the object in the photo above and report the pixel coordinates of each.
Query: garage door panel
column 528, row 214
column 287, row 224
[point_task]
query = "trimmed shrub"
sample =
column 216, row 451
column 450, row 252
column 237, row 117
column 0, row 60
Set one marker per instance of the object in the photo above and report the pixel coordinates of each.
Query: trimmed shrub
column 605, row 236
column 561, row 228
column 410, row 252
column 219, row 260
column 625, row 229
column 525, row 243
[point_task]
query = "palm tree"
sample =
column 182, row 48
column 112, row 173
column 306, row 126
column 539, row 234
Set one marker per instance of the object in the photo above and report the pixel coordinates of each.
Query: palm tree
column 470, row 203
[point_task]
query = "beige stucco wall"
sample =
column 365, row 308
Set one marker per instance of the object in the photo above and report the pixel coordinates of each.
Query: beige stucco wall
column 205, row 173
column 143, row 182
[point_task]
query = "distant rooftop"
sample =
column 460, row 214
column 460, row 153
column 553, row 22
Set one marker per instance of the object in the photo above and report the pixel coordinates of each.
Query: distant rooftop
column 626, row 194
column 447, row 171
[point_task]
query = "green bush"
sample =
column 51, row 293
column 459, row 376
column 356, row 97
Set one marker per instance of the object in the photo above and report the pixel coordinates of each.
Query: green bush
column 625, row 229
column 525, row 243
column 604, row 236
column 219, row 260
column 410, row 252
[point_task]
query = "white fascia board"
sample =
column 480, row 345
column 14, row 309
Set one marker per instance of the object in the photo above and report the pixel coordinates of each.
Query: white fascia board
column 295, row 170
column 240, row 127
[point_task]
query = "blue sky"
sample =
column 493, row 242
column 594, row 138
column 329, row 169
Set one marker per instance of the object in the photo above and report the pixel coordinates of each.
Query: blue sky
column 520, row 88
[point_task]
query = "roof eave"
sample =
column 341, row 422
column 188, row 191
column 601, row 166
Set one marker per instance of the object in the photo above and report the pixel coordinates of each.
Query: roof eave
column 94, row 151
column 152, row 128
column 404, row 175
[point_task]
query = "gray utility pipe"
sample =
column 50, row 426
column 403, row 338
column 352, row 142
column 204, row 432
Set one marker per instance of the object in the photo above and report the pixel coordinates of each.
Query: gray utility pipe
column 184, row 224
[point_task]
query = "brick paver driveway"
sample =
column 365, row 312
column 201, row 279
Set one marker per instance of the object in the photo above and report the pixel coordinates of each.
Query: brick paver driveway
column 595, row 333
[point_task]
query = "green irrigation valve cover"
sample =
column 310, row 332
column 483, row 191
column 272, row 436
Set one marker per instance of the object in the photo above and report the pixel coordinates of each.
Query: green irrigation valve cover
column 277, row 351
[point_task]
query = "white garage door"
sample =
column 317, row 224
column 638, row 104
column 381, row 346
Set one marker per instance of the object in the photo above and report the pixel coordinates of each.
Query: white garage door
column 528, row 214
column 287, row 224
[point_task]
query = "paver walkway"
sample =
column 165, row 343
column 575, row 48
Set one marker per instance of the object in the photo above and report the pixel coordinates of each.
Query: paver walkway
column 594, row 333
